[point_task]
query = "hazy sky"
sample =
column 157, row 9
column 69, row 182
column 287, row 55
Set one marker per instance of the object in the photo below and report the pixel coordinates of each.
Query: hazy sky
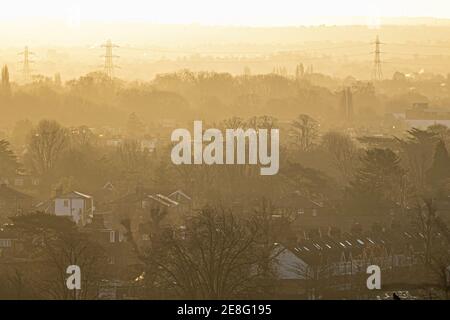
column 223, row 12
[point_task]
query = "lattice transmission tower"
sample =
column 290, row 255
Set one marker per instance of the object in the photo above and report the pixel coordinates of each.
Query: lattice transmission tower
column 109, row 65
column 26, row 69
column 377, row 74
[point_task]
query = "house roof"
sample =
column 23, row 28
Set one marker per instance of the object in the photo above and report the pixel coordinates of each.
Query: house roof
column 165, row 201
column 46, row 206
column 49, row 205
column 296, row 198
column 177, row 195
column 138, row 195
column 288, row 264
column 109, row 186
column 333, row 248
column 73, row 195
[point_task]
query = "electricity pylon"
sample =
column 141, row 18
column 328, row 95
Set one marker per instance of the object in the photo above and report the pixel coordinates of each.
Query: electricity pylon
column 26, row 70
column 377, row 74
column 109, row 66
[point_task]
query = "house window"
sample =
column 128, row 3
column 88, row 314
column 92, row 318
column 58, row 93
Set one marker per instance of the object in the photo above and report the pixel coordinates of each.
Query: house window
column 314, row 212
column 112, row 236
column 5, row 243
column 66, row 203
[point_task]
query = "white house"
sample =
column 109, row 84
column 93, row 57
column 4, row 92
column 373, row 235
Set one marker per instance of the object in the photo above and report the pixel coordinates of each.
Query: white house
column 76, row 205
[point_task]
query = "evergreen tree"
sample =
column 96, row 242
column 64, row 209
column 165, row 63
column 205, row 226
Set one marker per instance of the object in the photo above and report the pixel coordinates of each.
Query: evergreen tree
column 377, row 183
column 439, row 172
column 135, row 127
column 6, row 86
column 8, row 160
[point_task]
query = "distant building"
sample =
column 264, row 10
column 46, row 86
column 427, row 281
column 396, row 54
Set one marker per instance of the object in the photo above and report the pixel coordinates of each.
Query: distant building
column 119, row 252
column 13, row 202
column 105, row 196
column 329, row 262
column 76, row 205
column 295, row 204
column 114, row 142
column 21, row 181
column 148, row 211
column 158, row 202
column 148, row 144
column 171, row 209
column 9, row 243
column 180, row 197
column 422, row 116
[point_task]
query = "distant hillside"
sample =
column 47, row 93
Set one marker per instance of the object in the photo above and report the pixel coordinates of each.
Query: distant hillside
column 56, row 33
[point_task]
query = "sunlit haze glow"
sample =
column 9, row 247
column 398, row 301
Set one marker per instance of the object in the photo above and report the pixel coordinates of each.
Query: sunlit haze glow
column 231, row 12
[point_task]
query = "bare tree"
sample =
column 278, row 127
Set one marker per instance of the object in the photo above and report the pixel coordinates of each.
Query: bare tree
column 233, row 123
column 425, row 224
column 343, row 151
column 418, row 150
column 440, row 267
column 262, row 122
column 218, row 257
column 14, row 283
column 70, row 249
column 435, row 237
column 53, row 244
column 134, row 163
column 46, row 144
column 82, row 137
column 130, row 154
column 305, row 131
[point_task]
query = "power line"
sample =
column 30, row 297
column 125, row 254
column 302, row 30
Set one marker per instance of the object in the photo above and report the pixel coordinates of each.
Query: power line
column 413, row 45
column 311, row 49
column 409, row 64
column 316, row 54
column 416, row 54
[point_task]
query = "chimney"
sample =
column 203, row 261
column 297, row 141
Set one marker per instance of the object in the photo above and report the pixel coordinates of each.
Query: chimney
column 58, row 191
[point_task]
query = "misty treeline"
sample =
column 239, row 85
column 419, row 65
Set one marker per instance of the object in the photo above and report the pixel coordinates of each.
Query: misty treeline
column 305, row 107
column 327, row 166
column 96, row 100
column 225, row 251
